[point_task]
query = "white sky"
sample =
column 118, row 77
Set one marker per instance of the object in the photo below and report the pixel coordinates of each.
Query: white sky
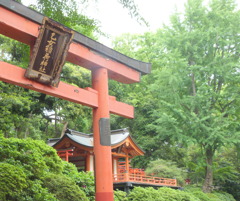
column 115, row 20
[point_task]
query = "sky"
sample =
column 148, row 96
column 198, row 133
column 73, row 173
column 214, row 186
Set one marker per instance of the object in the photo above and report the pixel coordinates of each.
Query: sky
column 115, row 20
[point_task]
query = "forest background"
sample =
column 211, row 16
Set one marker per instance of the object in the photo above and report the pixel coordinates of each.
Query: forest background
column 186, row 111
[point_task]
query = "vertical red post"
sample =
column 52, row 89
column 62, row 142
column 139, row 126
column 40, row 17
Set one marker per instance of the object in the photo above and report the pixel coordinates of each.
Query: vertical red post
column 66, row 156
column 127, row 168
column 102, row 154
column 87, row 167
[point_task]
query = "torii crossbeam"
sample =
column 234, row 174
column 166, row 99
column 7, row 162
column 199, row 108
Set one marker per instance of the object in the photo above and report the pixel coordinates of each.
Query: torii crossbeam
column 21, row 23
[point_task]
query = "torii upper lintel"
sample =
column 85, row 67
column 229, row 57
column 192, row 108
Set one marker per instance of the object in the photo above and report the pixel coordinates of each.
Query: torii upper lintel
column 22, row 23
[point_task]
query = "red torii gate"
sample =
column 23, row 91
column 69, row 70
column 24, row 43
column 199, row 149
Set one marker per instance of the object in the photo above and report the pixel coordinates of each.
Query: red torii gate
column 22, row 24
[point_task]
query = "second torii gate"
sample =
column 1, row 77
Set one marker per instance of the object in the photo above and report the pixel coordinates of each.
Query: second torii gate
column 22, row 24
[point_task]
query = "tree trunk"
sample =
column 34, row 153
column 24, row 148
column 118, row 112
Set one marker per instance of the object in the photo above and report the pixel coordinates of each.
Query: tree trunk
column 55, row 122
column 193, row 84
column 208, row 182
column 238, row 155
column 65, row 124
column 27, row 127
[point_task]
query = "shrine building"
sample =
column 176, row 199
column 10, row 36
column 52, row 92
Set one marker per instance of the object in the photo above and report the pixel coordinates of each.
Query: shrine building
column 77, row 148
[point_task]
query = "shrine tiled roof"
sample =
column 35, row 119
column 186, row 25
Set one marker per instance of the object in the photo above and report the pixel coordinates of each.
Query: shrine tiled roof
column 117, row 136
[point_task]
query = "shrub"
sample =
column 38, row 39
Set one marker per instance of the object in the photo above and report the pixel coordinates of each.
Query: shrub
column 30, row 170
column 201, row 195
column 63, row 188
column 197, row 192
column 34, row 156
column 36, row 192
column 168, row 194
column 12, row 182
column 176, row 195
column 222, row 196
column 215, row 196
column 162, row 194
column 120, row 196
column 85, row 180
column 143, row 194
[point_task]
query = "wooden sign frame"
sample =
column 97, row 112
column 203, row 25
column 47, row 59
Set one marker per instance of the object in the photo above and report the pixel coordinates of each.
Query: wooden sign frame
column 49, row 53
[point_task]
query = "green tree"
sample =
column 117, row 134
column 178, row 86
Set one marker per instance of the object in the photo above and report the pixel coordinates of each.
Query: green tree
column 194, row 96
column 167, row 169
column 66, row 12
column 204, row 86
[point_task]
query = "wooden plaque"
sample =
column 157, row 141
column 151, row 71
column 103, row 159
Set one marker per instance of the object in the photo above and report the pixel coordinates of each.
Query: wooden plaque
column 49, row 53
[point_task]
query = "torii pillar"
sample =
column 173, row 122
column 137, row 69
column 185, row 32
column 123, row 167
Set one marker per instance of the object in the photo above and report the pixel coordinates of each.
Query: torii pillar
column 102, row 154
column 22, row 24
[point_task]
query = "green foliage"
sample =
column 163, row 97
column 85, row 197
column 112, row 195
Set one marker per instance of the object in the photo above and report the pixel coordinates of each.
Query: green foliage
column 191, row 97
column 84, row 180
column 35, row 156
column 12, row 181
column 223, row 196
column 141, row 194
column 232, row 187
column 133, row 10
column 166, row 169
column 67, row 12
column 167, row 194
column 14, row 52
column 161, row 194
column 171, row 194
column 31, row 161
column 215, row 196
column 63, row 188
column 18, row 105
column 31, row 170
column 44, row 116
column 36, row 192
column 120, row 195
column 197, row 192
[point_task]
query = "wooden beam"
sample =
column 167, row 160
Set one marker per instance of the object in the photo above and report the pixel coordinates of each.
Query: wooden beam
column 119, row 155
column 26, row 31
column 89, row 97
column 15, row 75
column 82, row 56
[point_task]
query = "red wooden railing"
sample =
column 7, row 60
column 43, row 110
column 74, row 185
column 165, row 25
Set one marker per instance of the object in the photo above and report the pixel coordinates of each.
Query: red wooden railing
column 128, row 177
column 137, row 171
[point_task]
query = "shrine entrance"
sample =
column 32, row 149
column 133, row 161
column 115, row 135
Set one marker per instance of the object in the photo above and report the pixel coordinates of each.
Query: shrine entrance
column 23, row 24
